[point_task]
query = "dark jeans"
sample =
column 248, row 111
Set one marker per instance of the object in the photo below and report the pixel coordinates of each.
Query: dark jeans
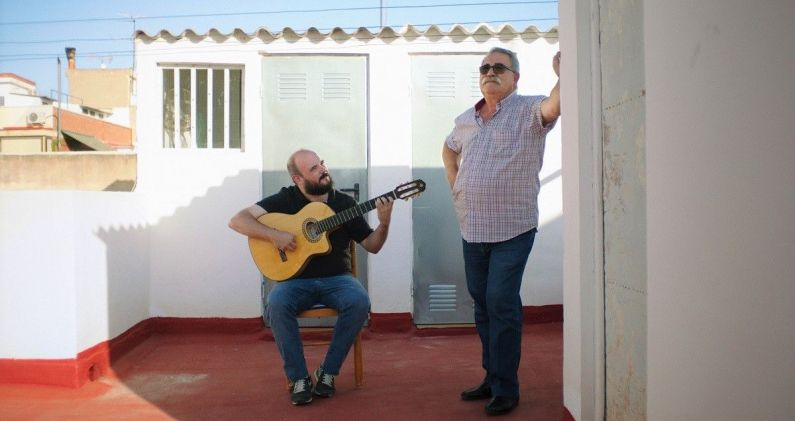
column 342, row 292
column 494, row 276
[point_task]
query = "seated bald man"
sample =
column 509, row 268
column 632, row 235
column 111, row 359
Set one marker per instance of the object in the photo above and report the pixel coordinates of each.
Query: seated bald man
column 325, row 279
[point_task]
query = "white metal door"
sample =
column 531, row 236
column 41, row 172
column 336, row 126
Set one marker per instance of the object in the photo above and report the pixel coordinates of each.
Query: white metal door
column 442, row 87
column 316, row 102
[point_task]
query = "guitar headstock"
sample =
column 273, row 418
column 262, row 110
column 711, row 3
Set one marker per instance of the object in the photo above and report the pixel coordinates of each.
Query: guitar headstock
column 409, row 190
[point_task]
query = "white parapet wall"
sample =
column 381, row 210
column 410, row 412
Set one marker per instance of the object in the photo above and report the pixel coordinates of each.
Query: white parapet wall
column 74, row 270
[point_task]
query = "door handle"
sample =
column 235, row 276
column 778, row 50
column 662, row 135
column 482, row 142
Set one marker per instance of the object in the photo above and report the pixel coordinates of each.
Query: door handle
column 354, row 190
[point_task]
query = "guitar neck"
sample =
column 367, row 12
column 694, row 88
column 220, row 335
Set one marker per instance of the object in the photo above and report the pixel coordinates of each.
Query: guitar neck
column 333, row 221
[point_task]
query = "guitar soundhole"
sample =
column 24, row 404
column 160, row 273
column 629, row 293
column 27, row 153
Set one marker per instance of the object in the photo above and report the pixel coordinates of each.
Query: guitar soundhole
column 310, row 230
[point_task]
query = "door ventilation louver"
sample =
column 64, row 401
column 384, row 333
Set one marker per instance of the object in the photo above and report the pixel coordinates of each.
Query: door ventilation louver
column 336, row 86
column 442, row 297
column 292, row 86
column 441, row 84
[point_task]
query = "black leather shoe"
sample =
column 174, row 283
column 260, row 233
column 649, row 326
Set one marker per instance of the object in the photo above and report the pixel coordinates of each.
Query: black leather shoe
column 481, row 391
column 499, row 405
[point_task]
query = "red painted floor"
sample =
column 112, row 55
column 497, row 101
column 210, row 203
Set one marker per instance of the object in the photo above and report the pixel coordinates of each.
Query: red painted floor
column 239, row 377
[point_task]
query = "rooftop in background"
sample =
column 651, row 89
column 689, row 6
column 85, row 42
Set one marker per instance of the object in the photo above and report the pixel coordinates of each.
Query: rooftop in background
column 14, row 84
column 18, row 79
column 408, row 32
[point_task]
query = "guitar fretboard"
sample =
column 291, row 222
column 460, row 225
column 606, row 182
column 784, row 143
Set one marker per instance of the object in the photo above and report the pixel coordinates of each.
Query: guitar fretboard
column 338, row 219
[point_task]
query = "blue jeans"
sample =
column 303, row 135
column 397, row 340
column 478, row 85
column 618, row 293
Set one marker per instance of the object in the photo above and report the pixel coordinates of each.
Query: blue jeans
column 494, row 276
column 342, row 292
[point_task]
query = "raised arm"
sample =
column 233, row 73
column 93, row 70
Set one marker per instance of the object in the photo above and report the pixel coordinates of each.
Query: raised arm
column 550, row 107
column 245, row 222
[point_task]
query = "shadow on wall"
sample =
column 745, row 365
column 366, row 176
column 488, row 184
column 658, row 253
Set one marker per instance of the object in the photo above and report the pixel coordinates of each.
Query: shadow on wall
column 121, row 185
column 186, row 265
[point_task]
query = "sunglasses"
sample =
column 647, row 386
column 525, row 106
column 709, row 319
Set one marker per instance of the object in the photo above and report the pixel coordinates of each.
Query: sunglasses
column 498, row 68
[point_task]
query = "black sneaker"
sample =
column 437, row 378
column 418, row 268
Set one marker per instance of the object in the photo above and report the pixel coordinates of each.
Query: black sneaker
column 325, row 383
column 301, row 391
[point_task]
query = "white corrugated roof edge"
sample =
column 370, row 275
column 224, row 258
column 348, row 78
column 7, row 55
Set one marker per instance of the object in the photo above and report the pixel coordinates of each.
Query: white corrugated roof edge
column 481, row 32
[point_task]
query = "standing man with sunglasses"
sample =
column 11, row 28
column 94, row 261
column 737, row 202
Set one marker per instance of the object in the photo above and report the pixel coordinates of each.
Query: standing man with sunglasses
column 492, row 159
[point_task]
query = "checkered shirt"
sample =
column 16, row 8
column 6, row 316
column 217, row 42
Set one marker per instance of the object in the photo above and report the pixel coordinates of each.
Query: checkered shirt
column 496, row 189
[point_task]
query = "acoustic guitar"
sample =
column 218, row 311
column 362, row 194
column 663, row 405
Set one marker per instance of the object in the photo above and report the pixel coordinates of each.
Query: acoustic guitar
column 311, row 226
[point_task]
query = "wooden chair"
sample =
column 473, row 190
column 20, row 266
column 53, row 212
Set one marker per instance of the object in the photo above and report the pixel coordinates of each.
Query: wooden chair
column 322, row 311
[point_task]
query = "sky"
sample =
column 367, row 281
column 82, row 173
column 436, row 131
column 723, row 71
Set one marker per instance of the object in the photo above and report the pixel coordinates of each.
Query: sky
column 33, row 38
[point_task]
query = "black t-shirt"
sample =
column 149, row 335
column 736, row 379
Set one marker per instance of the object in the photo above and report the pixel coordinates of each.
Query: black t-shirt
column 290, row 200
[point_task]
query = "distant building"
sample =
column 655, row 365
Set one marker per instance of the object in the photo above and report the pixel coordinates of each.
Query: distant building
column 102, row 93
column 97, row 120
column 26, row 122
column 17, row 91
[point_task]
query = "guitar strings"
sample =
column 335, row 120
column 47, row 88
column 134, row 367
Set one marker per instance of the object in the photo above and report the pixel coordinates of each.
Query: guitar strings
column 348, row 214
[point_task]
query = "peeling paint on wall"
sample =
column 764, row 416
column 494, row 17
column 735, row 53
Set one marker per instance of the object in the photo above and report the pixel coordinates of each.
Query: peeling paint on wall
column 624, row 204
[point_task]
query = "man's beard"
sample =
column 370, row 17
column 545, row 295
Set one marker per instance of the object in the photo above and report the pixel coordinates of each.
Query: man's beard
column 317, row 189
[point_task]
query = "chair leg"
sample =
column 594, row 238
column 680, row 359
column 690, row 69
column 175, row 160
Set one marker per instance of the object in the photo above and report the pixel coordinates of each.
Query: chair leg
column 358, row 369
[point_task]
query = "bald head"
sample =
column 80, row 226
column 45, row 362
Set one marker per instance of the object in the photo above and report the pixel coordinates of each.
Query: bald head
column 309, row 173
column 292, row 166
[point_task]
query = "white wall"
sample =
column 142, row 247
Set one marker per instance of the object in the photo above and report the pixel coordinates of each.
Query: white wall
column 721, row 343
column 199, row 267
column 390, row 164
column 17, row 93
column 17, row 116
column 719, row 101
column 542, row 282
column 721, row 95
column 112, row 239
column 583, row 352
column 73, row 270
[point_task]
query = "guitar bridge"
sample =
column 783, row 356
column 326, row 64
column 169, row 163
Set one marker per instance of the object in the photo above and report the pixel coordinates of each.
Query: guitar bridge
column 283, row 255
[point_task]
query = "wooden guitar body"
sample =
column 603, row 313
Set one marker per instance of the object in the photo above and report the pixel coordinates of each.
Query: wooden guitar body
column 277, row 265
column 311, row 226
